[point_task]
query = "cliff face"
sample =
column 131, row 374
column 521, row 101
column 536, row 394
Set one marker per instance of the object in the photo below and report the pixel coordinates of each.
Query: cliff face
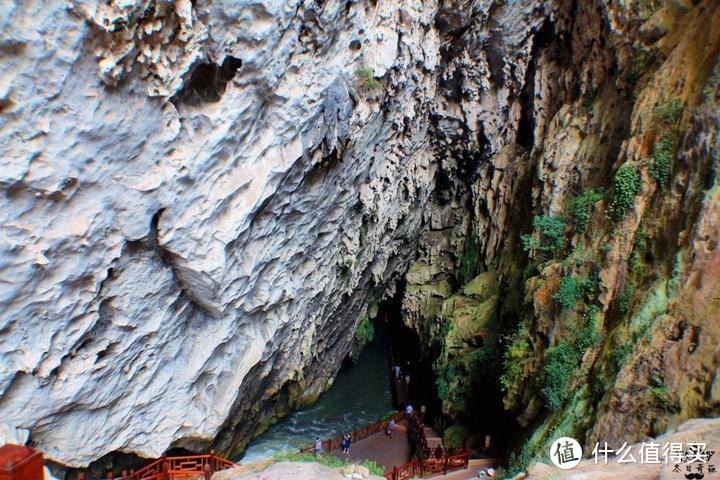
column 202, row 199
column 583, row 292
column 199, row 200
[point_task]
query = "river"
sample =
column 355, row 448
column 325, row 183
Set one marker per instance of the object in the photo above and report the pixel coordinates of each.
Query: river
column 359, row 396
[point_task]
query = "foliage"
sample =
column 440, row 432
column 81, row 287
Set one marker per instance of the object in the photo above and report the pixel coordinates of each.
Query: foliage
column 662, row 156
column 626, row 298
column 669, row 112
column 582, row 207
column 455, row 436
column 619, row 354
column 569, row 293
column 468, row 268
column 363, row 335
column 548, row 234
column 445, row 379
column 374, row 468
column 519, row 462
column 635, row 70
column 589, row 336
column 626, row 186
column 638, row 252
column 325, row 459
column 560, row 363
column 388, row 415
column 329, row 460
column 514, row 359
column 366, row 75
column 662, row 392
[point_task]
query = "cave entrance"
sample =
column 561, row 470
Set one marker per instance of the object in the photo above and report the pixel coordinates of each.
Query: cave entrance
column 415, row 384
column 484, row 425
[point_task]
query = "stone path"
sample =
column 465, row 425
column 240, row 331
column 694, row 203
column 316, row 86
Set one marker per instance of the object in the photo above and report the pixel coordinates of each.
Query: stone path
column 387, row 452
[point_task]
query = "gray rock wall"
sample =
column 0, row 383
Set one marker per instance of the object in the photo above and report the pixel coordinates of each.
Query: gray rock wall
column 183, row 258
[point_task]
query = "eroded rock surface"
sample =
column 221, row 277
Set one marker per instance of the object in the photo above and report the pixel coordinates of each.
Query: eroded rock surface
column 199, row 200
column 202, row 200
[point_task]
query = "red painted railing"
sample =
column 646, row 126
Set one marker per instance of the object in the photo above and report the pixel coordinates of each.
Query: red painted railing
column 172, row 468
column 334, row 443
column 429, row 467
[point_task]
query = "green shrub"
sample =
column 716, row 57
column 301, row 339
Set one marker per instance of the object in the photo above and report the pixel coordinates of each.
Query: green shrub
column 325, row 459
column 626, row 298
column 639, row 248
column 468, row 268
column 569, row 293
column 582, row 208
column 662, row 392
column 590, row 334
column 550, row 232
column 363, row 335
column 619, row 354
column 626, row 186
column 560, row 364
column 514, row 359
column 669, row 112
column 455, row 436
column 366, row 75
column 447, row 378
column 591, row 284
column 374, row 468
column 662, row 156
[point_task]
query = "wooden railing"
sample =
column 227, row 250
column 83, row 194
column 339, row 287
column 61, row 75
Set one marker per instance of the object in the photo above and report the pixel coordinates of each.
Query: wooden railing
column 334, row 443
column 172, row 468
column 429, row 467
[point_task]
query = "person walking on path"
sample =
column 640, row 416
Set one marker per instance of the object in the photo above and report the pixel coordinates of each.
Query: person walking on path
column 392, row 428
column 346, row 444
column 408, row 411
column 318, row 446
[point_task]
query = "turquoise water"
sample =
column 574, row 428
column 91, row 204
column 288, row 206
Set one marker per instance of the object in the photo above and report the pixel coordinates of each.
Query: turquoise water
column 360, row 396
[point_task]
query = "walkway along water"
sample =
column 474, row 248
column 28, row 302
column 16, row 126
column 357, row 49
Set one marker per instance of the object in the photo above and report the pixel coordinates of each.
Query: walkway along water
column 359, row 397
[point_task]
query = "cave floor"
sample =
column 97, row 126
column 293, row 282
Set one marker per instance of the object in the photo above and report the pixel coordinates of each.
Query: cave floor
column 385, row 451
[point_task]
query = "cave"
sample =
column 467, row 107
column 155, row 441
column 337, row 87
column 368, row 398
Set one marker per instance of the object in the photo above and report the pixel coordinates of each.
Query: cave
column 485, row 415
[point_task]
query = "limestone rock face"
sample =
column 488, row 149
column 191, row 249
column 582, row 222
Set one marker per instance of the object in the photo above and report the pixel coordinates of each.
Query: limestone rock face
column 575, row 140
column 203, row 198
column 199, row 198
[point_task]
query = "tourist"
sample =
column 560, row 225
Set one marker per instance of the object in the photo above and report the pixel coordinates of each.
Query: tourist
column 408, row 411
column 407, row 379
column 346, row 444
column 318, row 446
column 397, row 371
column 486, row 473
column 392, row 428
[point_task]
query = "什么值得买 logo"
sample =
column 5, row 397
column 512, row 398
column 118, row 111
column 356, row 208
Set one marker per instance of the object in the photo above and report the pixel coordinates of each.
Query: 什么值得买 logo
column 565, row 453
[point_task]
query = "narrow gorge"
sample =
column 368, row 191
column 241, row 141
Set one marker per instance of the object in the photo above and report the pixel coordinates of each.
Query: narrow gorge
column 204, row 199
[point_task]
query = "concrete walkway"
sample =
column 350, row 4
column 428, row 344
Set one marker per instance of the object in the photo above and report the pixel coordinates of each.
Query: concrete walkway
column 385, row 451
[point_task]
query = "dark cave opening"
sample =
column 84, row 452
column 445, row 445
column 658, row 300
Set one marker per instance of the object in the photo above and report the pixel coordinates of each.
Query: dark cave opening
column 208, row 82
column 490, row 428
column 405, row 351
